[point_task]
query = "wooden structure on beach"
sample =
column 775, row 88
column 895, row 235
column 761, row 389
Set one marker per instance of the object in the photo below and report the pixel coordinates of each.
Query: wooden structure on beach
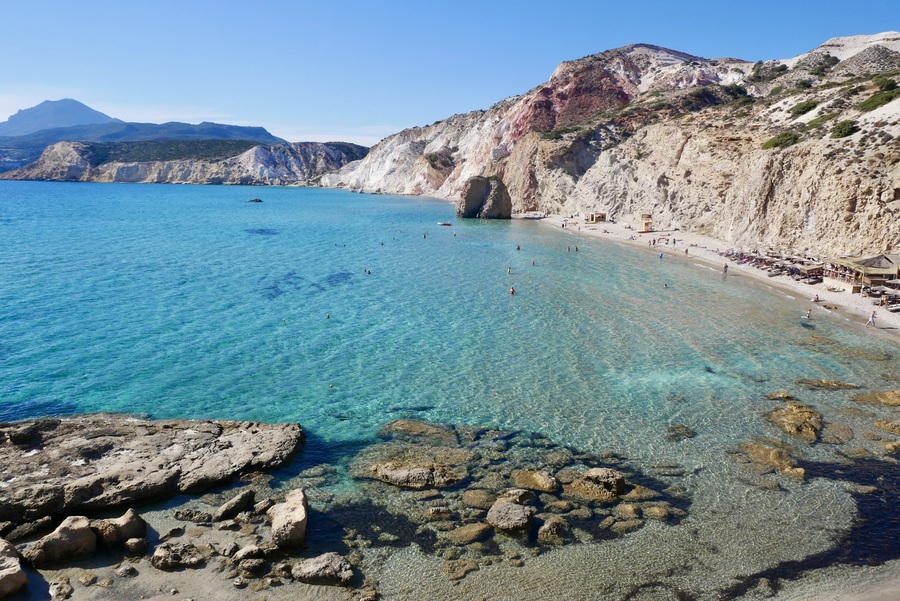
column 596, row 218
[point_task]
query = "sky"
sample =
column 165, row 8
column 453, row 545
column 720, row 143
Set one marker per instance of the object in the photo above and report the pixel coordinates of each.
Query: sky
column 358, row 71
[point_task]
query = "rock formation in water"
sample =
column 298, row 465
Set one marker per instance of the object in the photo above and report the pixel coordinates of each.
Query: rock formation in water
column 95, row 462
column 800, row 153
column 301, row 163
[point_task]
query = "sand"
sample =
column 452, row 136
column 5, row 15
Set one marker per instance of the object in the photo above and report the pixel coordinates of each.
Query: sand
column 704, row 251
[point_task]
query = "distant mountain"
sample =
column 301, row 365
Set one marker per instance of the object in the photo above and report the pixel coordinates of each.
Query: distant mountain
column 52, row 114
column 71, row 121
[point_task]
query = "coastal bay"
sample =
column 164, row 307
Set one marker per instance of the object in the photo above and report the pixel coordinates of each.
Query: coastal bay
column 193, row 303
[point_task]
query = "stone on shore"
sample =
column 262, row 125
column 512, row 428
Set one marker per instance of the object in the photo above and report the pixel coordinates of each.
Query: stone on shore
column 415, row 476
column 176, row 556
column 888, row 398
column 600, row 484
column 12, row 577
column 289, row 519
column 72, row 539
column 328, row 568
column 113, row 531
column 241, row 502
column 95, row 462
column 468, row 534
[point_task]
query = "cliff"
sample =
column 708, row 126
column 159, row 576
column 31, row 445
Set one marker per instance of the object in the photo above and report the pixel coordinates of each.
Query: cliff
column 750, row 153
column 300, row 163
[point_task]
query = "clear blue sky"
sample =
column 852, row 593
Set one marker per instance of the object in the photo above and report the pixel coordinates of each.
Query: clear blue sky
column 360, row 70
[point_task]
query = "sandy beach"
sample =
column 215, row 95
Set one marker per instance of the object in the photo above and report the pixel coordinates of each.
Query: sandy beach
column 704, row 252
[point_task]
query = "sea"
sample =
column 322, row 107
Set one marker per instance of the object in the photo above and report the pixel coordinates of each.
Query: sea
column 343, row 311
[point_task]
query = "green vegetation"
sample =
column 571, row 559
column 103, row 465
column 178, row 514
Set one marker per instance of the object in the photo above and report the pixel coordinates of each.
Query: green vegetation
column 804, row 84
column 782, row 140
column 885, row 84
column 824, row 65
column 803, row 107
column 97, row 153
column 821, row 119
column 761, row 72
column 878, row 99
column 776, row 90
column 559, row 132
column 441, row 160
column 842, row 129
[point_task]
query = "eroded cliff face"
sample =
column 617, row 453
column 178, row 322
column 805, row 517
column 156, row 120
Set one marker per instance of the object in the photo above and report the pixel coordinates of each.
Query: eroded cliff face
column 648, row 130
column 301, row 163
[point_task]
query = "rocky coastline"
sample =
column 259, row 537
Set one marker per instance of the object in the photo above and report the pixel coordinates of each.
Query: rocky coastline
column 114, row 506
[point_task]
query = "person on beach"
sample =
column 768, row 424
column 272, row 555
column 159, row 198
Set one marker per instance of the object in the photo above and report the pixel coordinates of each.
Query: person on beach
column 871, row 321
column 725, row 269
column 512, row 291
column 809, row 314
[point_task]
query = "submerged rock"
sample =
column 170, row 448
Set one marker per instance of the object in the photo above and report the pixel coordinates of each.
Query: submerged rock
column 679, row 432
column 534, row 480
column 798, row 420
column 888, row 398
column 780, row 395
column 827, row 384
column 769, row 456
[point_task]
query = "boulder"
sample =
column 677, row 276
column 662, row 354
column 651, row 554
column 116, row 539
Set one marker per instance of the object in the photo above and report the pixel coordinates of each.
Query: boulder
column 72, row 539
column 508, row 515
column 113, row 531
column 328, row 568
column 601, row 484
column 241, row 502
column 176, row 556
column 477, row 498
column 12, row 578
column 484, row 197
column 289, row 519
column 136, row 547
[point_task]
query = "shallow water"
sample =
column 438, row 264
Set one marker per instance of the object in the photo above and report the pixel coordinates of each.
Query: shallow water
column 179, row 301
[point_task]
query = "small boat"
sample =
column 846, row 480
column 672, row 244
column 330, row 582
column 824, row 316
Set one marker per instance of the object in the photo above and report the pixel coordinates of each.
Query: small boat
column 447, row 223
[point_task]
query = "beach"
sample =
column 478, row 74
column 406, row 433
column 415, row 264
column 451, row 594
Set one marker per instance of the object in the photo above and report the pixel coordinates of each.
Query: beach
column 705, row 252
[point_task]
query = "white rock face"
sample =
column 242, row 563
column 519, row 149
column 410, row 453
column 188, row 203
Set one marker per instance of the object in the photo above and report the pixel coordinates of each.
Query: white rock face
column 289, row 519
column 12, row 578
column 705, row 172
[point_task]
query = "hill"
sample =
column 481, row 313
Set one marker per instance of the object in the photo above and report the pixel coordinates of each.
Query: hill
column 69, row 120
column 801, row 152
column 52, row 114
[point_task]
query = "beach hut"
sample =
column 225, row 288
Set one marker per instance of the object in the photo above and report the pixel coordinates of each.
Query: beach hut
column 646, row 222
column 597, row 218
column 875, row 271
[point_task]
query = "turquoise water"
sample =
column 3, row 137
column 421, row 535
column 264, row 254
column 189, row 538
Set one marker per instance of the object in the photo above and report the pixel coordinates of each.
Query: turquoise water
column 186, row 301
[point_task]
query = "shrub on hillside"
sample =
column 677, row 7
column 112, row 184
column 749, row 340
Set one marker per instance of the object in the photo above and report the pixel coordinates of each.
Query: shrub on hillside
column 878, row 99
column 803, row 107
column 842, row 129
column 782, row 140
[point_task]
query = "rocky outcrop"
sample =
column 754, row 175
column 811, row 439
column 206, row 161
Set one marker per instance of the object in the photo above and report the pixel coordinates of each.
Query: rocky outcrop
column 101, row 461
column 797, row 420
column 486, row 198
column 73, row 539
column 301, row 163
column 289, row 519
column 12, row 577
column 643, row 129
